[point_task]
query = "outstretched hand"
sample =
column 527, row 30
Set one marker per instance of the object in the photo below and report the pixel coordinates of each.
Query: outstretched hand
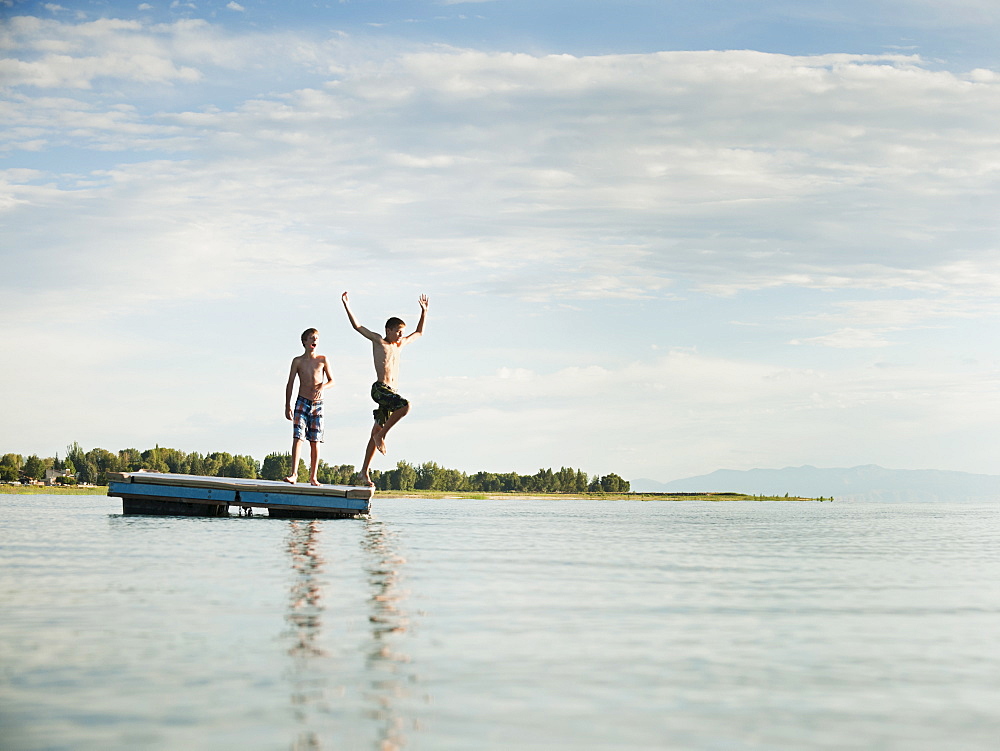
column 343, row 297
column 423, row 302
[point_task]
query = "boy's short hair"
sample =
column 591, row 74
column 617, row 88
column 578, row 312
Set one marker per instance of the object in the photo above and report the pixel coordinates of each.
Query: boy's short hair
column 394, row 322
column 308, row 333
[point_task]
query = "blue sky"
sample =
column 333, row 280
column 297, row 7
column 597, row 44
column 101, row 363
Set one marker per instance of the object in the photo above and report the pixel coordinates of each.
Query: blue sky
column 659, row 238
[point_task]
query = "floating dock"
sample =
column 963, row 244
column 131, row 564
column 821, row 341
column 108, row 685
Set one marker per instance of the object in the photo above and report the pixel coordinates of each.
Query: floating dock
column 163, row 494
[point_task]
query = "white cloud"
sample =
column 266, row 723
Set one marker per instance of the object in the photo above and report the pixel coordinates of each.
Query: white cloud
column 52, row 54
column 564, row 177
column 849, row 339
column 956, row 13
column 686, row 413
column 607, row 183
column 235, row 6
column 58, row 55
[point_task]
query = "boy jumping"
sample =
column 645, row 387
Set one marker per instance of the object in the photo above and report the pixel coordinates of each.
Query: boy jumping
column 391, row 406
column 313, row 372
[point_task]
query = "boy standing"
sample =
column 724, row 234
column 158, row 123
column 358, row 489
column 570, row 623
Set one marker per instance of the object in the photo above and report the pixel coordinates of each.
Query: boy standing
column 313, row 372
column 391, row 406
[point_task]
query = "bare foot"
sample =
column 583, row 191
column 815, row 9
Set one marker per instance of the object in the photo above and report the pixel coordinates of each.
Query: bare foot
column 290, row 479
column 313, row 481
column 366, row 480
column 378, row 437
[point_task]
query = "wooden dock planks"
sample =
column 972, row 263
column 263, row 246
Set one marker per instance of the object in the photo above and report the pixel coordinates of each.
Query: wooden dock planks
column 196, row 495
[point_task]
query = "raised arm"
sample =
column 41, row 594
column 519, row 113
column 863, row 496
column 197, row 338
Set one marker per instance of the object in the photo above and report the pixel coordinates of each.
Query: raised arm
column 354, row 324
column 419, row 331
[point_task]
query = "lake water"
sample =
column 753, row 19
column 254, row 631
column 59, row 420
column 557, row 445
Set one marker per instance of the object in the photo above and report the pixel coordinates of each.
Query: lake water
column 462, row 624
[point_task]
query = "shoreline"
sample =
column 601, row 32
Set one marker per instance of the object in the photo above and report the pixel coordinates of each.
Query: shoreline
column 470, row 495
column 53, row 490
column 499, row 496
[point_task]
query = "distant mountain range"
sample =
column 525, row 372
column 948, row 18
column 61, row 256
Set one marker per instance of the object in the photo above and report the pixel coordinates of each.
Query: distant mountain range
column 866, row 483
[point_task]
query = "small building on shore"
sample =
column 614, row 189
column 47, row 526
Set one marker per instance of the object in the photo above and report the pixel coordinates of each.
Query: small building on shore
column 52, row 474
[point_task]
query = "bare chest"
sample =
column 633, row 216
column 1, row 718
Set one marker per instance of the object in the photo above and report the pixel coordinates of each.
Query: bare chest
column 386, row 360
column 311, row 370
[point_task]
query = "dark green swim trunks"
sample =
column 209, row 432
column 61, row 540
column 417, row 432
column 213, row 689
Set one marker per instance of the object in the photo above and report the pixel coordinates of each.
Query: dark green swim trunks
column 388, row 401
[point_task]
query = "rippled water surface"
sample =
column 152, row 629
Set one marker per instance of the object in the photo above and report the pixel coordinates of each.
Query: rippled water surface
column 462, row 624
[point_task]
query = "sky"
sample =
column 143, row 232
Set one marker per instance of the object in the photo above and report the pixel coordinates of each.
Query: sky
column 659, row 237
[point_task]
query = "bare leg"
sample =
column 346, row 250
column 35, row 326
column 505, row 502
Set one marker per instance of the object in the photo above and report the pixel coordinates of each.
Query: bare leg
column 377, row 441
column 377, row 438
column 378, row 433
column 296, row 449
column 313, row 462
column 369, row 453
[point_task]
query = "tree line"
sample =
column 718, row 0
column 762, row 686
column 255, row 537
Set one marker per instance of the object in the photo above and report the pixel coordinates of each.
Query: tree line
column 92, row 468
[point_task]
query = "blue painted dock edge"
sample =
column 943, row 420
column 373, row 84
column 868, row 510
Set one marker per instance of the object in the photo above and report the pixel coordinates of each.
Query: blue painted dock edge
column 159, row 496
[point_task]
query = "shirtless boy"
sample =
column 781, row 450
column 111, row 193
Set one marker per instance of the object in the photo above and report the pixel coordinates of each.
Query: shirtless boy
column 313, row 372
column 391, row 406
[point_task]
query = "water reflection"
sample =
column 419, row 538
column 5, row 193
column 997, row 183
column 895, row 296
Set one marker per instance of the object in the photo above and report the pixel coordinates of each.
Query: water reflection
column 305, row 611
column 390, row 670
column 383, row 679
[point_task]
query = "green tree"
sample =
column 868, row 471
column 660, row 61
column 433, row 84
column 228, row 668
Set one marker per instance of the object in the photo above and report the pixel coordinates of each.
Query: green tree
column 571, row 480
column 403, row 477
column 196, row 464
column 338, row 474
column 129, row 460
column 176, row 461
column 487, row 482
column 215, row 461
column 406, row 476
column 93, row 466
column 275, row 467
column 545, row 481
column 612, row 483
column 240, row 466
column 510, row 482
column 86, row 472
column 76, row 455
column 451, row 479
column 103, row 461
column 10, row 467
column 428, row 476
column 34, row 468
column 152, row 459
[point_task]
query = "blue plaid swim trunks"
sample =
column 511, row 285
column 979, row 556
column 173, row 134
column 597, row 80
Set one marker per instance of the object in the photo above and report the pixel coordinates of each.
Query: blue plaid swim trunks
column 307, row 420
column 388, row 401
